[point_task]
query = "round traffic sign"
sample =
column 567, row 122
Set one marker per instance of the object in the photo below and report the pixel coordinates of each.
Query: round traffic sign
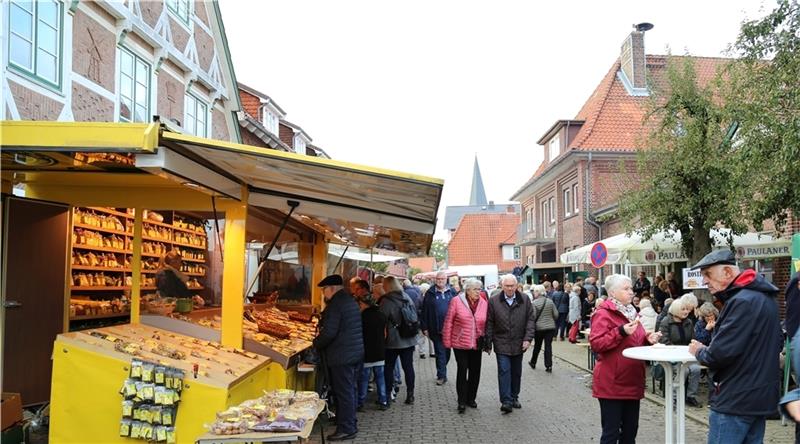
column 598, row 255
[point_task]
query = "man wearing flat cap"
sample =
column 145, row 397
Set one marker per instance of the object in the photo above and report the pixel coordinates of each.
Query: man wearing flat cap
column 743, row 353
column 342, row 344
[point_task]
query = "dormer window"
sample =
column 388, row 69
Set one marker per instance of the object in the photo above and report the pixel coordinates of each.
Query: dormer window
column 554, row 147
column 299, row 143
column 270, row 119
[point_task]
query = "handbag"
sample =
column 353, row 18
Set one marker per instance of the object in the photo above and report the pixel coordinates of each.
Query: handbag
column 573, row 331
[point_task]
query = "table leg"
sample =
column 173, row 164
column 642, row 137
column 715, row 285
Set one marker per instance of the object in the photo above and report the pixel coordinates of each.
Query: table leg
column 668, row 417
column 681, row 402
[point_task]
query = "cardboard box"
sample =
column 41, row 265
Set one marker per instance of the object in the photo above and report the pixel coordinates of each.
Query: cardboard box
column 10, row 410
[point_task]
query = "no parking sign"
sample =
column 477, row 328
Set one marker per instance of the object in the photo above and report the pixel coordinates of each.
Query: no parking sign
column 598, row 255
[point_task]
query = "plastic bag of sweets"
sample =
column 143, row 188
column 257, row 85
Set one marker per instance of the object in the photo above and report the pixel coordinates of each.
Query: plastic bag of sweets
column 136, row 369
column 128, row 390
column 228, row 427
column 159, row 377
column 167, row 416
column 125, row 428
column 127, row 408
column 148, row 369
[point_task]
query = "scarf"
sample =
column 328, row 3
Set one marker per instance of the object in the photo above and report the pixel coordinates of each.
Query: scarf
column 628, row 310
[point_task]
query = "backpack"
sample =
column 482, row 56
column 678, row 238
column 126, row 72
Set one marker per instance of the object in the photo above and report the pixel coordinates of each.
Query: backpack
column 409, row 322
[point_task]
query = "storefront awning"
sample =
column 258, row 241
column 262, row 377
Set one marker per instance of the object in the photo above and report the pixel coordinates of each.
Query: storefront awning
column 352, row 204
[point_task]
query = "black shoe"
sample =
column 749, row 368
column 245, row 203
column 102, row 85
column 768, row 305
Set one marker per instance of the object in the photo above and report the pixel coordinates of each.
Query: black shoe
column 462, row 408
column 505, row 408
column 382, row 406
column 422, row 356
column 473, row 405
column 432, row 355
column 360, row 408
column 692, row 402
column 410, row 399
column 516, row 405
column 532, row 364
column 549, row 369
column 341, row 436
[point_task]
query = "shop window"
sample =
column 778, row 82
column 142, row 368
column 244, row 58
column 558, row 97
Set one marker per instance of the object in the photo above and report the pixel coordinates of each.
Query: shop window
column 576, row 207
column 35, row 39
column 554, row 147
column 195, row 116
column 180, row 8
column 567, row 202
column 134, row 88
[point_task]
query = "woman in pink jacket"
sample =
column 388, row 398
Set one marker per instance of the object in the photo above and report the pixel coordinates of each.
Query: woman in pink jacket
column 464, row 324
column 618, row 382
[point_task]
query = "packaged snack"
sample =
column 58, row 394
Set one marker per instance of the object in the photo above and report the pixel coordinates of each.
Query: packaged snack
column 168, row 378
column 228, row 427
column 148, row 390
column 136, row 369
column 280, row 424
column 128, row 390
column 156, row 413
column 166, row 416
column 171, row 439
column 147, row 432
column 136, row 430
column 232, row 413
column 125, row 428
column 305, row 396
column 147, row 371
column 161, row 434
column 160, row 394
column 159, row 374
column 127, row 408
column 144, row 414
column 139, row 391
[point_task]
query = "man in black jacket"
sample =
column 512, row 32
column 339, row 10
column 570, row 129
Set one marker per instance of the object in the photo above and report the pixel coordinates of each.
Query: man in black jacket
column 743, row 353
column 340, row 339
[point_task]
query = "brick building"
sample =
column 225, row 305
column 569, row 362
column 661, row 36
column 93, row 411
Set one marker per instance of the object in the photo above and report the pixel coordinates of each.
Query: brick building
column 572, row 196
column 483, row 239
column 120, row 62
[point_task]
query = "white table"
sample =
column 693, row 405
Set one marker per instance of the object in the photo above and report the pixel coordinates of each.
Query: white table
column 667, row 355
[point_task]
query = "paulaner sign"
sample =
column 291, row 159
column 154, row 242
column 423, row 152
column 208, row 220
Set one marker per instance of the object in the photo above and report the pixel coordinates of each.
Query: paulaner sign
column 742, row 253
column 753, row 252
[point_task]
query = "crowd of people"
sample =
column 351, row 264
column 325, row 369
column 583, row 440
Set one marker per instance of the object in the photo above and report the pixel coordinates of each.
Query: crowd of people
column 399, row 319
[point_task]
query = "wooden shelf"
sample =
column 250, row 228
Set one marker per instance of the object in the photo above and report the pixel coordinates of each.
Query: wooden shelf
column 103, row 316
column 110, row 211
column 106, row 249
column 199, row 261
column 195, row 274
column 149, row 254
column 149, row 271
column 96, row 288
column 155, row 239
column 98, row 268
column 181, row 244
column 158, row 224
column 186, row 230
column 101, row 229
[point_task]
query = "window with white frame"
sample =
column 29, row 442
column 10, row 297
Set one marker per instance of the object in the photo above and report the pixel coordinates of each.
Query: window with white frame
column 134, row 88
column 180, row 8
column 567, row 202
column 554, row 147
column 508, row 253
column 35, row 39
column 270, row 119
column 299, row 143
column 195, row 119
column 530, row 220
column 576, row 206
column 545, row 216
column 552, row 203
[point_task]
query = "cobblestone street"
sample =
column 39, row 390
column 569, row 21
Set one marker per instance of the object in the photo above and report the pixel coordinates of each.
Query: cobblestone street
column 556, row 407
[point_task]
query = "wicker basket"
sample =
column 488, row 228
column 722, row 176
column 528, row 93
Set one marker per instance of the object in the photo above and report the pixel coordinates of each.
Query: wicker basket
column 162, row 309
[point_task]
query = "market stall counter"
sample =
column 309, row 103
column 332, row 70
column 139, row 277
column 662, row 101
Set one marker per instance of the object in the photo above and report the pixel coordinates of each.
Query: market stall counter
column 93, row 368
column 280, row 335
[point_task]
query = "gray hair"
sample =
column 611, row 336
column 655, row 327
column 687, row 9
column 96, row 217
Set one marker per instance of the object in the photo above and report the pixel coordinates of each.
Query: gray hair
column 676, row 306
column 538, row 290
column 391, row 283
column 613, row 281
column 707, row 309
column 644, row 303
column 472, row 283
column 689, row 299
column 508, row 277
column 423, row 287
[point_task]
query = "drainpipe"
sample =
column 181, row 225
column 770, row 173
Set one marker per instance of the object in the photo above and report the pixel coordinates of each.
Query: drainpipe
column 587, row 204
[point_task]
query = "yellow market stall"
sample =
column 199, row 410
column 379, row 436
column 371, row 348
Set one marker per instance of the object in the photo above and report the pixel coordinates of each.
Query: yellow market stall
column 144, row 166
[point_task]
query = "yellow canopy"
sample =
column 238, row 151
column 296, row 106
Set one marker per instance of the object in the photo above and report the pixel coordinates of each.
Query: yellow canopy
column 354, row 204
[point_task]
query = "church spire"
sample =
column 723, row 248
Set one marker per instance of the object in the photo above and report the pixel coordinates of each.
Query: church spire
column 477, row 195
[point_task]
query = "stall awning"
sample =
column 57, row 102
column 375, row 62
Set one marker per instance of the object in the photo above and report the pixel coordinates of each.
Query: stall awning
column 352, row 204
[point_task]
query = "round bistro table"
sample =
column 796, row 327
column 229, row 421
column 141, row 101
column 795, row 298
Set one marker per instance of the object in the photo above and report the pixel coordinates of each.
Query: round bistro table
column 666, row 355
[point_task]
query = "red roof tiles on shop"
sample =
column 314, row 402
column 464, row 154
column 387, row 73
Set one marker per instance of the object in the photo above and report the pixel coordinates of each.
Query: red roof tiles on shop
column 479, row 238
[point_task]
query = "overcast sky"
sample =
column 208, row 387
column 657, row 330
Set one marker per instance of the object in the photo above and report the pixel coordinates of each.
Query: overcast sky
column 424, row 86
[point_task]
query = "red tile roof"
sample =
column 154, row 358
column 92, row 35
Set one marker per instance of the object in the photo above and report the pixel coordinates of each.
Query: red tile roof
column 614, row 119
column 479, row 238
column 425, row 264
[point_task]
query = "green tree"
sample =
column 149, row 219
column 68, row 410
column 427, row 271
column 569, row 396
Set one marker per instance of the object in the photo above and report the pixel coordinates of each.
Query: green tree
column 686, row 180
column 413, row 272
column 378, row 267
column 439, row 250
column 763, row 95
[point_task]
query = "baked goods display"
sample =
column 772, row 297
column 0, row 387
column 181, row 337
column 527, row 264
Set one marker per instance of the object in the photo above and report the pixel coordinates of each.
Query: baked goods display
column 83, row 306
column 102, row 247
column 277, row 411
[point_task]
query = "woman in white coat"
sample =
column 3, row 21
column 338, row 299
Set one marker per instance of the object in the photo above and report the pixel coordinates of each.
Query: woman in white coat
column 647, row 315
column 574, row 304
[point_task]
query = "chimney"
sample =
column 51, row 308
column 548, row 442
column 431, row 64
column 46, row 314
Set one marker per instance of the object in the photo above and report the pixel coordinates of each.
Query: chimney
column 632, row 58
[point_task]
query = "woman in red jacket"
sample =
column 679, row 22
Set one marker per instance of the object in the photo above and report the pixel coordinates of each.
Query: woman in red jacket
column 618, row 381
column 464, row 324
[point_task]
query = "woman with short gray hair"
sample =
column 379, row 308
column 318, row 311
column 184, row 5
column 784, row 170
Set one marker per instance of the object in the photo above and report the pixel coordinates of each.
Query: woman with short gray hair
column 545, row 318
column 618, row 382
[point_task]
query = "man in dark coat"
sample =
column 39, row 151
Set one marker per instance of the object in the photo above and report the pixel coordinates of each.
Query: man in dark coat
column 641, row 285
column 341, row 341
column 743, row 353
column 434, row 309
column 510, row 326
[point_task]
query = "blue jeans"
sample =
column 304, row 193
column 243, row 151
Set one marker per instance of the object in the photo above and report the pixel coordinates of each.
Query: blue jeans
column 509, row 373
column 442, row 356
column 380, row 383
column 725, row 429
column 344, row 386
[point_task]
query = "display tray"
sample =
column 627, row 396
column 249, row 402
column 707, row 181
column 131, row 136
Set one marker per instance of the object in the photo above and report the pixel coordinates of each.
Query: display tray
column 210, row 438
column 218, row 366
column 209, row 333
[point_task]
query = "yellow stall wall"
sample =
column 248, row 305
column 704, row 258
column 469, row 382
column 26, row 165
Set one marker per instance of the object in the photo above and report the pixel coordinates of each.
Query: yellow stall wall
column 86, row 405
